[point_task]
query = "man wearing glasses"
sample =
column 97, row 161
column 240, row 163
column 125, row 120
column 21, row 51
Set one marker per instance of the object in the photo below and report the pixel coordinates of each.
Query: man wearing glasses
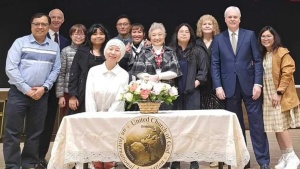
column 57, row 19
column 32, row 66
column 123, row 27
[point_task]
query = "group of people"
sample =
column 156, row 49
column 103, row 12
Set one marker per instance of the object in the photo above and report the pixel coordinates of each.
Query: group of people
column 211, row 70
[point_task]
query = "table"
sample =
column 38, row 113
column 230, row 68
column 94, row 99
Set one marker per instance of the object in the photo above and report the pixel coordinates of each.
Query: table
column 198, row 135
column 3, row 93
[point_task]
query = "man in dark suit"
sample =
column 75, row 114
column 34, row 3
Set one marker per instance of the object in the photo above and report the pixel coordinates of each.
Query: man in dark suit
column 57, row 19
column 237, row 74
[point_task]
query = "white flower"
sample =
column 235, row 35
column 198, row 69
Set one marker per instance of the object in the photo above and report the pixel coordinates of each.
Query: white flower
column 120, row 97
column 168, row 86
column 158, row 87
column 137, row 90
column 128, row 97
column 173, row 91
column 147, row 85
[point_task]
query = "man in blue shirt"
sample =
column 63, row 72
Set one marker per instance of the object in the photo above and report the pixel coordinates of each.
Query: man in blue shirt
column 32, row 66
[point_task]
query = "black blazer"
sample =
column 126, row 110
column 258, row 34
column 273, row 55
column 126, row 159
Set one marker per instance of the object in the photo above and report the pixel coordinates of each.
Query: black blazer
column 63, row 42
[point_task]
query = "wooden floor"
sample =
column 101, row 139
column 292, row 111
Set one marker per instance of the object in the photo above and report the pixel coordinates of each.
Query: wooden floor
column 274, row 152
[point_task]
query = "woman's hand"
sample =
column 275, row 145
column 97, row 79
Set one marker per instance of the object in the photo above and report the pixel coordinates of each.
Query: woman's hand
column 197, row 83
column 154, row 78
column 62, row 102
column 276, row 100
column 73, row 103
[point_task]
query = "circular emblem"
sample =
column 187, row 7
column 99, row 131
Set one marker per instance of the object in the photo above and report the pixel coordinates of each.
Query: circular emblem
column 145, row 142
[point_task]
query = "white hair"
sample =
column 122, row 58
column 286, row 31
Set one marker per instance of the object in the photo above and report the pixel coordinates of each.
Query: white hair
column 119, row 44
column 233, row 8
column 155, row 26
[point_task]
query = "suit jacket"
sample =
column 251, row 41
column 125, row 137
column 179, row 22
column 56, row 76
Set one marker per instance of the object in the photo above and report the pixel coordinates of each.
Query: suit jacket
column 63, row 42
column 245, row 65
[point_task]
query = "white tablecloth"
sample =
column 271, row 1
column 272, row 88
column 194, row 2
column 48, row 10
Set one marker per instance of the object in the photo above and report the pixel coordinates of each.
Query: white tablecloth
column 198, row 135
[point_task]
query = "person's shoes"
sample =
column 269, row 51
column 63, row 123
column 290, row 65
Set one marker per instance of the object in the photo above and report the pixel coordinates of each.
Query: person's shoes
column 109, row 165
column 43, row 163
column 166, row 165
column 175, row 165
column 214, row 164
column 38, row 166
column 292, row 161
column 281, row 162
column 265, row 166
column 247, row 165
column 98, row 165
column 194, row 165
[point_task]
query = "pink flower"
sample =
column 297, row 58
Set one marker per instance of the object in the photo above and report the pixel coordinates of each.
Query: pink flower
column 133, row 87
column 145, row 93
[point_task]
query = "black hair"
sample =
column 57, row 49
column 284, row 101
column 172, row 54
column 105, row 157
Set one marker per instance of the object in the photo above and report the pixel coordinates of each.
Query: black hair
column 277, row 40
column 123, row 16
column 92, row 30
column 174, row 42
column 39, row 15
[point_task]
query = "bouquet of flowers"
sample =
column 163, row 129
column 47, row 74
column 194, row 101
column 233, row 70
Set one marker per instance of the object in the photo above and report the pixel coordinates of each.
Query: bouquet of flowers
column 148, row 91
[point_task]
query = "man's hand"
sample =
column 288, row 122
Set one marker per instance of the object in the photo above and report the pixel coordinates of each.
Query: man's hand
column 256, row 92
column 30, row 93
column 220, row 93
column 38, row 92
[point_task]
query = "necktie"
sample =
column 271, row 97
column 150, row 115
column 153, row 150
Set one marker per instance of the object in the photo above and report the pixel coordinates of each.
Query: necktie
column 56, row 37
column 233, row 42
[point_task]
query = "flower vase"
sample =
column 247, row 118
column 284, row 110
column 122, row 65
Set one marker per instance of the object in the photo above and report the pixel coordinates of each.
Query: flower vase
column 149, row 107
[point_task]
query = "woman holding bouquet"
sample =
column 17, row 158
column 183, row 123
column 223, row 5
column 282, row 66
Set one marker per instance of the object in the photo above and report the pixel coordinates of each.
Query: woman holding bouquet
column 157, row 62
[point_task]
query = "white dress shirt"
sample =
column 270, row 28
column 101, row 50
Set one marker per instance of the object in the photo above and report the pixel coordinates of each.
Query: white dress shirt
column 102, row 88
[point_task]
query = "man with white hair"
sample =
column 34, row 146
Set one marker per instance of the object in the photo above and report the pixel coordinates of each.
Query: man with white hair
column 237, row 75
column 57, row 19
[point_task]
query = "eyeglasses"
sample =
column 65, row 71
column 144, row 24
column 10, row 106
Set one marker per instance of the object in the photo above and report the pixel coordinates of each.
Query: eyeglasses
column 122, row 24
column 43, row 25
column 78, row 35
column 266, row 37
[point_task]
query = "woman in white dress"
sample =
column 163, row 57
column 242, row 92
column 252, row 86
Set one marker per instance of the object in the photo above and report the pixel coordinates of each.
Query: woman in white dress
column 104, row 82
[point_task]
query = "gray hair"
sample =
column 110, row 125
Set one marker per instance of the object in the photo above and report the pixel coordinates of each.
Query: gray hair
column 234, row 8
column 155, row 26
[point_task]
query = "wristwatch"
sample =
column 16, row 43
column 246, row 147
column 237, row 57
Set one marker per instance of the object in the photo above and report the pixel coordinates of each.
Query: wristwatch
column 279, row 93
column 46, row 89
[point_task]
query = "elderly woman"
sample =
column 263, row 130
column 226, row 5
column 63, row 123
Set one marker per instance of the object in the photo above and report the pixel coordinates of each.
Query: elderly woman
column 104, row 82
column 157, row 62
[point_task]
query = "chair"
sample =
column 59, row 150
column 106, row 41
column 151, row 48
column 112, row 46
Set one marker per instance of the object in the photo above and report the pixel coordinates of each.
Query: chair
column 2, row 108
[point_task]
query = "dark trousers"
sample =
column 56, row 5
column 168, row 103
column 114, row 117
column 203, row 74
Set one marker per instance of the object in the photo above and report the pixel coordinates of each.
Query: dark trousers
column 18, row 108
column 49, row 123
column 259, row 138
